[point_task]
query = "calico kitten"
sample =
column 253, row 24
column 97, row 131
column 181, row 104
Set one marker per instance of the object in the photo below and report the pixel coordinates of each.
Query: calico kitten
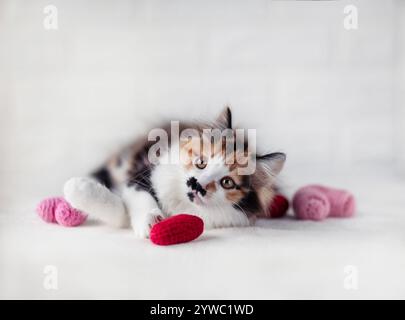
column 134, row 189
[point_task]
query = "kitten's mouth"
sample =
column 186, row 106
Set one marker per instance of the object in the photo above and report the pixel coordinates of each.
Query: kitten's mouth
column 194, row 197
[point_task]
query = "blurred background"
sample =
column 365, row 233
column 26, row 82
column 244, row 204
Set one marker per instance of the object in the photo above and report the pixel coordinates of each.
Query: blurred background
column 327, row 96
column 333, row 99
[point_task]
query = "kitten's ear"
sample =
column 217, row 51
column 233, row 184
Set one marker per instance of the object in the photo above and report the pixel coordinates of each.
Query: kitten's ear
column 224, row 120
column 272, row 162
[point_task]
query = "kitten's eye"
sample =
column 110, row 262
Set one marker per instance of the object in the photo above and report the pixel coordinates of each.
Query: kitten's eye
column 227, row 183
column 200, row 163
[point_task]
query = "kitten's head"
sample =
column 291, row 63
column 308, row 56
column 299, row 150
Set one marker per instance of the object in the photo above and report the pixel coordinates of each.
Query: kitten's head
column 214, row 170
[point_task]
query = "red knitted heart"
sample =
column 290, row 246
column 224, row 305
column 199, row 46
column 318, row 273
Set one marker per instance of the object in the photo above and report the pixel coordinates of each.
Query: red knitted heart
column 177, row 229
column 278, row 207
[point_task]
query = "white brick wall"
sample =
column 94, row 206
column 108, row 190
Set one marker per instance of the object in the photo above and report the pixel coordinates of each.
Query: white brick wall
column 400, row 89
column 321, row 93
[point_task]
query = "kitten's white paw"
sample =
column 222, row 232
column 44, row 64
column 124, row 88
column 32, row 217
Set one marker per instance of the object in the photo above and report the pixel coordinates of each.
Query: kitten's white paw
column 93, row 198
column 79, row 192
column 143, row 224
column 141, row 231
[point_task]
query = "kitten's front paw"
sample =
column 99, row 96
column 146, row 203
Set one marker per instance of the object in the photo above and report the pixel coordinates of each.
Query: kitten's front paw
column 141, row 231
column 79, row 191
column 143, row 225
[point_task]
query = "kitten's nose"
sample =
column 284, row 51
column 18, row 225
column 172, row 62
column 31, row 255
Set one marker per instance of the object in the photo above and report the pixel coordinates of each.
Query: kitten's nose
column 210, row 185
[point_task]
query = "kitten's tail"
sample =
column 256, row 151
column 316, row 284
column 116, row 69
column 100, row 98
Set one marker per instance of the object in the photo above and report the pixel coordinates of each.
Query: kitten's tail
column 95, row 199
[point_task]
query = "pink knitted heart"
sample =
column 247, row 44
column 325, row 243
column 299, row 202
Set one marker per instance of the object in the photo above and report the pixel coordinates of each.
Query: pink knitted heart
column 311, row 204
column 342, row 202
column 46, row 208
column 316, row 202
column 58, row 210
column 67, row 216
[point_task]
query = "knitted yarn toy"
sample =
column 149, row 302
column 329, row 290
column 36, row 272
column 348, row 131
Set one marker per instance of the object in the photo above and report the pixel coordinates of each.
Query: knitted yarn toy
column 316, row 202
column 279, row 206
column 58, row 210
column 313, row 202
column 177, row 229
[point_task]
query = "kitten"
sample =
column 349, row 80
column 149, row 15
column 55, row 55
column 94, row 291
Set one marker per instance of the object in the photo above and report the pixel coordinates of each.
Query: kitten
column 134, row 189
